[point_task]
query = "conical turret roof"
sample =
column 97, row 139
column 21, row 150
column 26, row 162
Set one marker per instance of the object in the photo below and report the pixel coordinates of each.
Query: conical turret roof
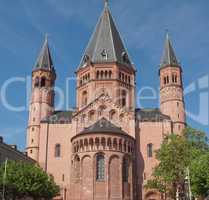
column 44, row 60
column 105, row 45
column 168, row 57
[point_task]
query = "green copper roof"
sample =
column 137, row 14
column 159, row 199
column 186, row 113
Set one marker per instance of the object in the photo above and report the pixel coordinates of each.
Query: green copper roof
column 44, row 60
column 168, row 57
column 105, row 45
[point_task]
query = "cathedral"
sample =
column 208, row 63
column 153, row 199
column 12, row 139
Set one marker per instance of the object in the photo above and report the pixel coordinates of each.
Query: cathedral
column 103, row 149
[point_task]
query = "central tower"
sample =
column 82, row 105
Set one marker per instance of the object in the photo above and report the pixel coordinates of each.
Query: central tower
column 105, row 67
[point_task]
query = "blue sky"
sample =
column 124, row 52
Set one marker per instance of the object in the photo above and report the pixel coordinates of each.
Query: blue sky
column 69, row 23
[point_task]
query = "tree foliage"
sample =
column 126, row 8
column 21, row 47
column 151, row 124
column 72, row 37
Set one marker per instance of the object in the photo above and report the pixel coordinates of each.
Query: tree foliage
column 175, row 155
column 27, row 180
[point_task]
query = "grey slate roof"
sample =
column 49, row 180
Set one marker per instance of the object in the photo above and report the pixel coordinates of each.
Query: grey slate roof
column 150, row 115
column 44, row 60
column 59, row 117
column 106, row 45
column 103, row 126
column 168, row 57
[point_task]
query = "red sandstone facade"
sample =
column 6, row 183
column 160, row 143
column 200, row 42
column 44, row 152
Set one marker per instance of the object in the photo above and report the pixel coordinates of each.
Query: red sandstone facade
column 103, row 150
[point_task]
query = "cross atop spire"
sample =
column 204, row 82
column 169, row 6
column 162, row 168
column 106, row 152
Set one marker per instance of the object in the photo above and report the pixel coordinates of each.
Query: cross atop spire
column 106, row 2
column 168, row 57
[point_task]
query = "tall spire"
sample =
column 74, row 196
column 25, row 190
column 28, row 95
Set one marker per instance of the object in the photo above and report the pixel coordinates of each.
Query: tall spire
column 44, row 60
column 168, row 57
column 106, row 3
column 105, row 45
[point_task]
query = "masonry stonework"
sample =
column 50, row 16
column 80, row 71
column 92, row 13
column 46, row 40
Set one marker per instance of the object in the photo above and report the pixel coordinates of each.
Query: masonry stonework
column 105, row 148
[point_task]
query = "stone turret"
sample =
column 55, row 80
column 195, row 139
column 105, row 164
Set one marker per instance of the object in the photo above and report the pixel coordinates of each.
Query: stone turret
column 42, row 98
column 171, row 88
column 106, row 66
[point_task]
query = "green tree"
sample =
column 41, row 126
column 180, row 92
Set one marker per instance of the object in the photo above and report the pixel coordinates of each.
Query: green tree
column 199, row 169
column 27, row 180
column 175, row 155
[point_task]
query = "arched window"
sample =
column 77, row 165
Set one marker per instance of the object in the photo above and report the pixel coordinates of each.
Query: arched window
column 36, row 84
column 165, row 81
column 175, row 78
column 123, row 98
column 97, row 75
column 106, row 74
column 57, row 152
column 91, row 115
column 101, row 110
column 43, row 82
column 125, row 169
column 84, row 98
column 76, row 170
column 129, row 80
column 112, row 114
column 102, row 74
column 100, row 168
column 120, row 75
column 110, row 74
column 150, row 150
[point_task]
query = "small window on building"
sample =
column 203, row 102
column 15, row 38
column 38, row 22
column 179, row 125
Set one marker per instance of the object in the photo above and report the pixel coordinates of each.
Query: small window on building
column 123, row 98
column 102, row 74
column 120, row 75
column 97, row 76
column 100, row 168
column 43, row 82
column 150, row 150
column 123, row 77
column 106, row 74
column 84, row 98
column 34, row 119
column 57, row 150
column 63, row 177
column 104, row 54
column 31, row 151
column 125, row 169
column 165, row 81
column 33, row 129
column 176, row 79
column 110, row 74
column 32, row 141
column 129, row 80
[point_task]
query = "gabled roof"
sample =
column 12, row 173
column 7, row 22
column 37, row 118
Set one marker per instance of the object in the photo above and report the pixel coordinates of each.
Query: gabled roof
column 103, row 126
column 59, row 117
column 44, row 60
column 105, row 45
column 150, row 115
column 168, row 57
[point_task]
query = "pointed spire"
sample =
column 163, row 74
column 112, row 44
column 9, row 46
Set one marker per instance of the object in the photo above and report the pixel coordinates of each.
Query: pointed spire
column 105, row 45
column 168, row 57
column 44, row 60
column 106, row 3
